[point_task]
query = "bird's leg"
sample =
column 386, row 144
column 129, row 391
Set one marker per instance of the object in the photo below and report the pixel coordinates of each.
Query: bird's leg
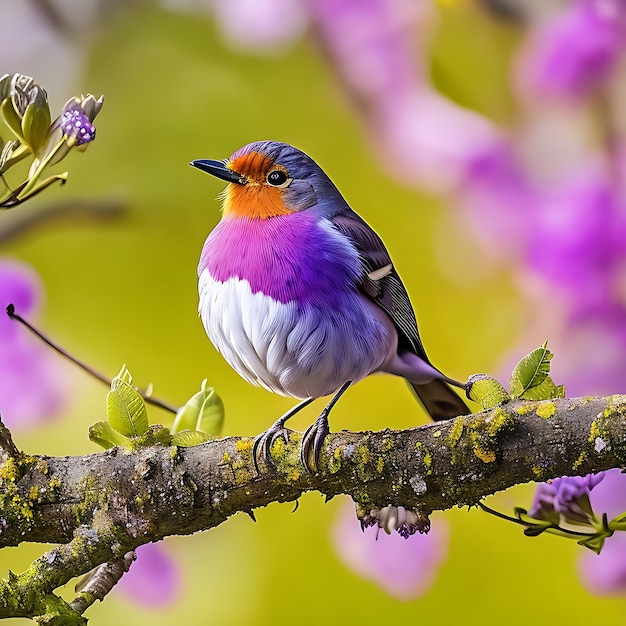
column 316, row 433
column 264, row 441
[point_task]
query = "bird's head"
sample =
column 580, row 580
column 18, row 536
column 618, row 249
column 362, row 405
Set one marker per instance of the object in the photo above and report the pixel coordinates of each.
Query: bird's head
column 269, row 178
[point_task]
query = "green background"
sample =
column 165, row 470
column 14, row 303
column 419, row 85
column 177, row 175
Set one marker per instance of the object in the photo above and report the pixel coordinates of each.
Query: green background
column 124, row 291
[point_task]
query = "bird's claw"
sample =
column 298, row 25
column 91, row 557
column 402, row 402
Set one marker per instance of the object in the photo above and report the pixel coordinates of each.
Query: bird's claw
column 312, row 442
column 264, row 442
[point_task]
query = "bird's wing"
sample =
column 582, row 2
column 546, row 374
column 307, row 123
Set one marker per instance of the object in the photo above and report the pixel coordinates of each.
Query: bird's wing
column 380, row 280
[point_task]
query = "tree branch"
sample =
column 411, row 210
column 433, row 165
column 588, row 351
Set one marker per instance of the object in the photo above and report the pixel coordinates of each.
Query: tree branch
column 102, row 506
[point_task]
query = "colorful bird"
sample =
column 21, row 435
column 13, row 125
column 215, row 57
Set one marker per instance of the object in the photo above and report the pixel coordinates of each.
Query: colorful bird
column 300, row 295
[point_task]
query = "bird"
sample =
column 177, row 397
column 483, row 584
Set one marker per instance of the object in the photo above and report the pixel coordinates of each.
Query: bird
column 300, row 296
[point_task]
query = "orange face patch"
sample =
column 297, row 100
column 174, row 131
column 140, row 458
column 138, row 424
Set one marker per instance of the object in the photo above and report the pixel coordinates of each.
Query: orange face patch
column 255, row 199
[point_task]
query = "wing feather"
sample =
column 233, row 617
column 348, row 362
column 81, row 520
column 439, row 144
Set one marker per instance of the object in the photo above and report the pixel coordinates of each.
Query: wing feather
column 380, row 281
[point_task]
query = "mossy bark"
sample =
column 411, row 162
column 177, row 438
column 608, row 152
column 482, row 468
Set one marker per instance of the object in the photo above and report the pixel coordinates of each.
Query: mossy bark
column 101, row 506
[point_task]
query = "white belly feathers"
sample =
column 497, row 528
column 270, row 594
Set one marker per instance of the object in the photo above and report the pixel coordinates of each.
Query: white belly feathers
column 294, row 351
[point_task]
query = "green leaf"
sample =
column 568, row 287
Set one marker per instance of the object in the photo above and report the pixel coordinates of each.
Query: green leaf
column 551, row 518
column 35, row 124
column 30, row 189
column 11, row 118
column 531, row 371
column 486, row 390
column 126, row 409
column 189, row 438
column 535, row 531
column 124, row 376
column 547, row 390
column 12, row 153
column 595, row 542
column 5, row 86
column 102, row 434
column 204, row 411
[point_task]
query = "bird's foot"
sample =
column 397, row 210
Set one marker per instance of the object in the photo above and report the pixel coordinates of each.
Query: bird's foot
column 264, row 442
column 312, row 442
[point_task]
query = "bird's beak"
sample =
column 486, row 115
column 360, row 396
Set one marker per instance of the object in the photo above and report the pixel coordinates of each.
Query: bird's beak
column 219, row 169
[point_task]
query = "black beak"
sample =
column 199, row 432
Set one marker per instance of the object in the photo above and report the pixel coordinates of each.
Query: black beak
column 219, row 169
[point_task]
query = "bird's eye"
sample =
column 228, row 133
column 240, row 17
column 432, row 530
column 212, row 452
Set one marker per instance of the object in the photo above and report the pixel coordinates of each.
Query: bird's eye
column 277, row 178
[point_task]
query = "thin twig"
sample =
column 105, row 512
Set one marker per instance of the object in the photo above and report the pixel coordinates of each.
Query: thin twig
column 103, row 209
column 515, row 520
column 90, row 370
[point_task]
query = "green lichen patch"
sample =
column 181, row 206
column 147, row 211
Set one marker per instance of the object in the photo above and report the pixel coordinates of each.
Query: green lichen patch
column 335, row 459
column 525, row 409
column 594, row 432
column 93, row 498
column 387, row 443
column 286, row 457
column 546, row 410
column 244, row 446
column 456, row 431
column 362, row 457
column 582, row 457
column 426, row 457
column 537, row 471
column 485, row 433
column 9, row 471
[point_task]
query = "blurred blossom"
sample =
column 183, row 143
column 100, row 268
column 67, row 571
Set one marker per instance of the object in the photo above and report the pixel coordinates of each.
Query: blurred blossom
column 31, row 385
column 43, row 52
column 579, row 247
column 265, row 24
column 255, row 25
column 605, row 573
column 425, row 138
column 154, row 579
column 590, row 356
column 403, row 568
column 59, row 33
column 497, row 200
column 373, row 44
column 572, row 52
column 420, row 136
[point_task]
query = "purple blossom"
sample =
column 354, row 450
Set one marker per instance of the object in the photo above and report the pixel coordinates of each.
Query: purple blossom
column 573, row 52
column 75, row 123
column 565, row 499
column 403, row 568
column 32, row 387
column 154, row 579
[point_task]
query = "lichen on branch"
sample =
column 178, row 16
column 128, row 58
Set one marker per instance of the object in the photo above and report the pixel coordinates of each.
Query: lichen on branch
column 102, row 506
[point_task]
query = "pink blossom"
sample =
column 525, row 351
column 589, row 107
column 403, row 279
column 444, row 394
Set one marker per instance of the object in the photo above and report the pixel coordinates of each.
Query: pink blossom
column 154, row 579
column 31, row 385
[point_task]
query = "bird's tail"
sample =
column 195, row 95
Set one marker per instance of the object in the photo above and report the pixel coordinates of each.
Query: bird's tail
column 439, row 400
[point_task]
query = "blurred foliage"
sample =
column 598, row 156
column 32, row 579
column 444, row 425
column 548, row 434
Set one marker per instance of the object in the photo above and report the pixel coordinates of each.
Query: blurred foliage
column 125, row 291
